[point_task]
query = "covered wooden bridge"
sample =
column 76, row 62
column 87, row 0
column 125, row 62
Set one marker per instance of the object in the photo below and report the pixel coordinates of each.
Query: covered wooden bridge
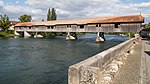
column 100, row 25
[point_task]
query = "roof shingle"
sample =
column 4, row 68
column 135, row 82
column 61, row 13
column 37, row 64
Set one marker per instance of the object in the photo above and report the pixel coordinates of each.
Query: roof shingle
column 79, row 21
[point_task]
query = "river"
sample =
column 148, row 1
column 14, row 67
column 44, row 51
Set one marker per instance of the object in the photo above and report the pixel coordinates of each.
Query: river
column 46, row 61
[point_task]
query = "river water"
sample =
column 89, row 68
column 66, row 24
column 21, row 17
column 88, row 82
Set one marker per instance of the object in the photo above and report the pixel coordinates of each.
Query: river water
column 46, row 61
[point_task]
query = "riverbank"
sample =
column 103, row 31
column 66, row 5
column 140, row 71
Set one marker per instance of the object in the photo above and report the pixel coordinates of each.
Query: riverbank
column 5, row 34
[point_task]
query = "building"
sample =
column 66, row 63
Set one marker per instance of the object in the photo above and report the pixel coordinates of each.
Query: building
column 130, row 23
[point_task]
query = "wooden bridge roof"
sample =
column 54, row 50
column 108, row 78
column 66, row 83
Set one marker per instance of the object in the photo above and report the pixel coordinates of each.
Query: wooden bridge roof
column 81, row 21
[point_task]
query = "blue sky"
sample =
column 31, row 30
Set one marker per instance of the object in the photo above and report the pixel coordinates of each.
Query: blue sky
column 67, row 9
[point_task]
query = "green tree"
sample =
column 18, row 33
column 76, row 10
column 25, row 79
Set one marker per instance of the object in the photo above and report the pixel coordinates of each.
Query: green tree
column 51, row 15
column 25, row 18
column 0, row 23
column 4, row 22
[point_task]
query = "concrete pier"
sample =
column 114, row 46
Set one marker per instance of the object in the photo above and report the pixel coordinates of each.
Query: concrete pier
column 100, row 37
column 16, row 33
column 71, row 36
column 26, row 34
column 38, row 35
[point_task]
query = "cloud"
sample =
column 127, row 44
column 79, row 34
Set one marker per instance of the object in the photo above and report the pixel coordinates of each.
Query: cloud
column 67, row 9
column 14, row 11
column 1, row 3
column 17, row 2
column 144, row 4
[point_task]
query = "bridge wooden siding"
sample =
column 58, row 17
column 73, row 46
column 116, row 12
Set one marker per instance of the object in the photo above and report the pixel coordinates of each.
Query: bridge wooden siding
column 109, row 24
column 88, row 28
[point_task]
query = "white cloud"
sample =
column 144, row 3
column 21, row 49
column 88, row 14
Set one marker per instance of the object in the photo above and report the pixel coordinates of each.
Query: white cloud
column 17, row 2
column 144, row 4
column 1, row 6
column 1, row 3
column 77, row 8
column 14, row 9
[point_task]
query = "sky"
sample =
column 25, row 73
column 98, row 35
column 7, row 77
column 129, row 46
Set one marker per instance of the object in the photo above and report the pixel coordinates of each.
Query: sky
column 67, row 9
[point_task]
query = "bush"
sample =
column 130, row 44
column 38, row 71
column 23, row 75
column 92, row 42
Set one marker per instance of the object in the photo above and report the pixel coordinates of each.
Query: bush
column 6, row 34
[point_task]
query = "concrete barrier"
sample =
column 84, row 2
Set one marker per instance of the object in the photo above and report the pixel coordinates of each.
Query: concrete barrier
column 95, row 70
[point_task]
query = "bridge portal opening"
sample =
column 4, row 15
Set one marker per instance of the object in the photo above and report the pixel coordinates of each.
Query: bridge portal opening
column 69, row 26
column 98, row 25
column 81, row 26
column 117, row 25
column 29, row 27
column 50, row 27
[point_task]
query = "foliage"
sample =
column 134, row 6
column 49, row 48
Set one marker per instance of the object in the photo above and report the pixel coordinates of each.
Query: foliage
column 51, row 15
column 4, row 22
column 6, row 34
column 25, row 18
column 147, row 26
column 0, row 23
column 128, row 34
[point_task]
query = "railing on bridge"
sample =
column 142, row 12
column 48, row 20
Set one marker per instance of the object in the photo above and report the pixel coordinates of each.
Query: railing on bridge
column 134, row 27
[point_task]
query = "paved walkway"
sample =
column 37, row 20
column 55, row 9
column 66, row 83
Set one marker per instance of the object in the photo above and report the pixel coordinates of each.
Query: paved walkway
column 136, row 69
column 129, row 73
column 145, row 64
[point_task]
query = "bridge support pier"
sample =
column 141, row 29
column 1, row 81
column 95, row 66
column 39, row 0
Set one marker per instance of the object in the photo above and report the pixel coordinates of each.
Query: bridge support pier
column 71, row 36
column 26, row 34
column 100, row 37
column 16, row 33
column 37, row 35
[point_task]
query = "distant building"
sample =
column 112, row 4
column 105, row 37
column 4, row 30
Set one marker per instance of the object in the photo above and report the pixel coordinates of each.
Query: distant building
column 13, row 23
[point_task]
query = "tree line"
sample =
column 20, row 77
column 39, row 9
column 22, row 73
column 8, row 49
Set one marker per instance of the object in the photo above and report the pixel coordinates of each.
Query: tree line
column 5, row 23
column 51, row 15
